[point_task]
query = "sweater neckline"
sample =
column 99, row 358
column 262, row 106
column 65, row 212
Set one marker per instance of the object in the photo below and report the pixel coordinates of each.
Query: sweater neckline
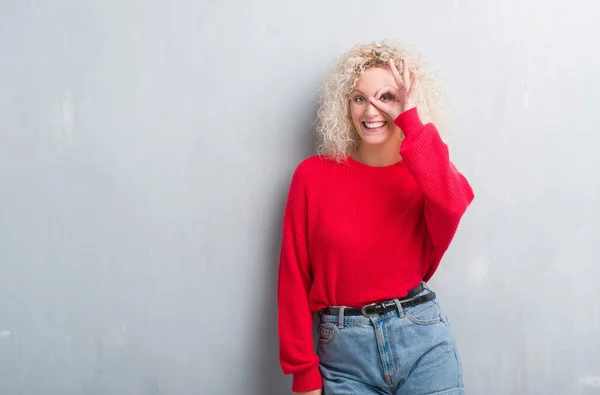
column 358, row 164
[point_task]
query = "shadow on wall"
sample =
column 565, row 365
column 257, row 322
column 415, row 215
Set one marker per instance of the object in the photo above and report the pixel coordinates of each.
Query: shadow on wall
column 268, row 369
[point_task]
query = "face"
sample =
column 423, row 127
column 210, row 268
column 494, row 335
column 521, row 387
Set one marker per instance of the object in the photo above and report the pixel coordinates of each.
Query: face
column 372, row 125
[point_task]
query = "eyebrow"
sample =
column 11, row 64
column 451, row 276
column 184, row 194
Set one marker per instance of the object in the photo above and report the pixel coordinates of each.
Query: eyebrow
column 356, row 90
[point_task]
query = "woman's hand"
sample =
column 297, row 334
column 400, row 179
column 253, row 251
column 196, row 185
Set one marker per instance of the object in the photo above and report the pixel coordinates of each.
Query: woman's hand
column 399, row 98
column 315, row 392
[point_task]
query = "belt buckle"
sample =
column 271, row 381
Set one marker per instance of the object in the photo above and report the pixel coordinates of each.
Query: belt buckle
column 363, row 310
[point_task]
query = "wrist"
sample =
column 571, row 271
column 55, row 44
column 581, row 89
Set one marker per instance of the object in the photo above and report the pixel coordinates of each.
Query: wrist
column 407, row 108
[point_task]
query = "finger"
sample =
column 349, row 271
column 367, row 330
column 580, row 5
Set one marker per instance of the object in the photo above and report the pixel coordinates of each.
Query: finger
column 413, row 83
column 395, row 73
column 405, row 74
column 392, row 91
column 381, row 106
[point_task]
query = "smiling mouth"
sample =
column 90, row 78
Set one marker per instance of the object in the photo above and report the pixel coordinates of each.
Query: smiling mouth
column 374, row 126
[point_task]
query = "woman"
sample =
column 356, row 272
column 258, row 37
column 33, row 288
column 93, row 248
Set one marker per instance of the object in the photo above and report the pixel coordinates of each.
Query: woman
column 366, row 224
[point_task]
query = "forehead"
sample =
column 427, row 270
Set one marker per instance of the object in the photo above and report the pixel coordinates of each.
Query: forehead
column 374, row 78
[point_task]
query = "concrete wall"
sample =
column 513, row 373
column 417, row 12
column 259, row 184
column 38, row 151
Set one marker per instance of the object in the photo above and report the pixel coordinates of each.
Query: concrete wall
column 146, row 148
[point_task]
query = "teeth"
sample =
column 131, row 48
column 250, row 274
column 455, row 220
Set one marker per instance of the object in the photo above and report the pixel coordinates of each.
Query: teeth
column 374, row 125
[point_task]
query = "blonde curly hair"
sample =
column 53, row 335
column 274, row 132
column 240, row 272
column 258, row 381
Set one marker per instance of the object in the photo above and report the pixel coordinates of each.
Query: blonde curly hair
column 336, row 134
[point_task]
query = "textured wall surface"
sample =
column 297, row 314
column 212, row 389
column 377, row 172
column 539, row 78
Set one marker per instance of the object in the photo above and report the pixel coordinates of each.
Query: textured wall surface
column 146, row 148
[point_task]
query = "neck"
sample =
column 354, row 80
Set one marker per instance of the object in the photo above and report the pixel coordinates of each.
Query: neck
column 378, row 155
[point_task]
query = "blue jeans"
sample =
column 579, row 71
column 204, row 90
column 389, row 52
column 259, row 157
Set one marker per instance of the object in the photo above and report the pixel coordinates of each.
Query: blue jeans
column 403, row 352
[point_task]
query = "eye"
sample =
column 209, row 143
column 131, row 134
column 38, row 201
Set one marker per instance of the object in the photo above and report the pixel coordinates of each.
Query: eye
column 386, row 97
column 359, row 99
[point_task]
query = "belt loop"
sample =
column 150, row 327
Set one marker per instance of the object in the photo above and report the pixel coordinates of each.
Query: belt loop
column 341, row 317
column 399, row 307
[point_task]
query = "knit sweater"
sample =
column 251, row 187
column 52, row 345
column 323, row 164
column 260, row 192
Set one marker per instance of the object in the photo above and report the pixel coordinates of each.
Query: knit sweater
column 354, row 234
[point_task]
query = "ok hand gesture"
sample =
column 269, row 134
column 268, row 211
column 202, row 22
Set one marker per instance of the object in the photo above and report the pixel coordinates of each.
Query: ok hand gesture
column 402, row 95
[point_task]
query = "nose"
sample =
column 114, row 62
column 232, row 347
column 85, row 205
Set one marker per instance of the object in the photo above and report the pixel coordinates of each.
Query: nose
column 371, row 110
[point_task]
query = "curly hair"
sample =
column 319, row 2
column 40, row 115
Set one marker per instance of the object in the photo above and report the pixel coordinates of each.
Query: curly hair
column 336, row 134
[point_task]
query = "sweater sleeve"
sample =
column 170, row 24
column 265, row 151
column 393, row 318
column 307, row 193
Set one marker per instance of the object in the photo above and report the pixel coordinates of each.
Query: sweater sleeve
column 447, row 192
column 296, row 345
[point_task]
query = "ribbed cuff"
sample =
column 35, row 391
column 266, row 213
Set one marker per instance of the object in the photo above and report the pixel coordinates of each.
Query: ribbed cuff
column 409, row 121
column 308, row 380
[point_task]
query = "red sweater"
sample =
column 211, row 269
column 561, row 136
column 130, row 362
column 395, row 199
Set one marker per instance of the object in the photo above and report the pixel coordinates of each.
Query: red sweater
column 354, row 234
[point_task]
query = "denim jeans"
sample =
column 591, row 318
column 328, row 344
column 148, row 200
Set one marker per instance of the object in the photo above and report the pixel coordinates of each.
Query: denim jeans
column 403, row 352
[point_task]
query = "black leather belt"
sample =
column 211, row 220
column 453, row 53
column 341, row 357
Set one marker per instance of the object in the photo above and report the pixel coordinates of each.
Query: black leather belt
column 383, row 307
